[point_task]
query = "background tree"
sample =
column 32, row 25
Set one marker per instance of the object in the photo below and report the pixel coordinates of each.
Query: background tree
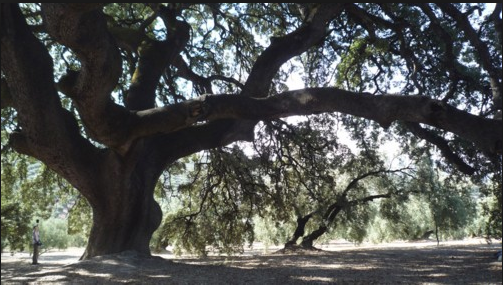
column 107, row 96
column 301, row 183
column 449, row 201
column 317, row 176
column 29, row 192
column 437, row 204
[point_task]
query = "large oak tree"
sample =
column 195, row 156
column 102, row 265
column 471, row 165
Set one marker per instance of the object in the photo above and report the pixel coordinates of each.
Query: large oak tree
column 108, row 96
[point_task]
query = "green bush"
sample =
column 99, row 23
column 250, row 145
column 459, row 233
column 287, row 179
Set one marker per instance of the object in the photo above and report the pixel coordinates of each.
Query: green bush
column 53, row 234
column 15, row 226
column 77, row 240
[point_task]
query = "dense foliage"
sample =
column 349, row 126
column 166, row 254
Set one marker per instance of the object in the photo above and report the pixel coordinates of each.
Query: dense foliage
column 104, row 101
column 348, row 193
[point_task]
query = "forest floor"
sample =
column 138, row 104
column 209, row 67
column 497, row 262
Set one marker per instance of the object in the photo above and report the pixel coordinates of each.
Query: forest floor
column 339, row 262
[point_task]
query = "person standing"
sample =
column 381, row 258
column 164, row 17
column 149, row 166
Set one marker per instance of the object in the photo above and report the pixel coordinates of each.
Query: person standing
column 36, row 243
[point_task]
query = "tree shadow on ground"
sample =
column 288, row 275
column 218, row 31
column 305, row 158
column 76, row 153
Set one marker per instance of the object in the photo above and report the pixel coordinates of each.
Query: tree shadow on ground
column 449, row 265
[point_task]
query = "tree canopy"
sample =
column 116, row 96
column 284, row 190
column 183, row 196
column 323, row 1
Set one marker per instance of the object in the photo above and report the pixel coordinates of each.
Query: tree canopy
column 108, row 96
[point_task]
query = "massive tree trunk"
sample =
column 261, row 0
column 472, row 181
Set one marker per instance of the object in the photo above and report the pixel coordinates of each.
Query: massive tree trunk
column 128, row 224
column 125, row 213
column 126, row 218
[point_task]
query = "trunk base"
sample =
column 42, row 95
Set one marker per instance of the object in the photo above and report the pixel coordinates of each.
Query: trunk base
column 298, row 249
column 126, row 254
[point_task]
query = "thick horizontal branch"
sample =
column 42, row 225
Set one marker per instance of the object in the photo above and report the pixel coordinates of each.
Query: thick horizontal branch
column 384, row 109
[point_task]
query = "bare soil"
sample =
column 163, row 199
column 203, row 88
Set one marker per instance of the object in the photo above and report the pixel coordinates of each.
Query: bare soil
column 339, row 262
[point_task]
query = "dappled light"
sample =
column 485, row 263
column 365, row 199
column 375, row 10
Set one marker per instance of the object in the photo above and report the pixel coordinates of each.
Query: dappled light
column 456, row 262
column 266, row 143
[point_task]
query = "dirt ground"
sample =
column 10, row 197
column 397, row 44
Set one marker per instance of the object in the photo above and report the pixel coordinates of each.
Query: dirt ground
column 454, row 262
